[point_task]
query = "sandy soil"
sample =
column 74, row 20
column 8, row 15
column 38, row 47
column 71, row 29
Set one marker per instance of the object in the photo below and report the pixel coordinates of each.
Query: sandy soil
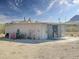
column 50, row 50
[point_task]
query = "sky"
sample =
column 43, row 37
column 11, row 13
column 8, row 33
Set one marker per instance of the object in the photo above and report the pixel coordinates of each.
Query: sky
column 38, row 10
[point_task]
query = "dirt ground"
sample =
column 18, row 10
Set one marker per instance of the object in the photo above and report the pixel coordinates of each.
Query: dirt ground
column 50, row 50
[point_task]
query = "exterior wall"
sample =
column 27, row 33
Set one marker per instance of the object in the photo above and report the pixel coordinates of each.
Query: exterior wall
column 53, row 31
column 50, row 31
column 61, row 30
column 44, row 30
column 37, row 30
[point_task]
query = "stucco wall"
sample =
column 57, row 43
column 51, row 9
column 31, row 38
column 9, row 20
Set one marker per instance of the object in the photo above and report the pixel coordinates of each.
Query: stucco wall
column 37, row 30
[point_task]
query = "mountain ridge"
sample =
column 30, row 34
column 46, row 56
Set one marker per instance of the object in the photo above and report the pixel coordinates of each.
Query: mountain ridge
column 74, row 18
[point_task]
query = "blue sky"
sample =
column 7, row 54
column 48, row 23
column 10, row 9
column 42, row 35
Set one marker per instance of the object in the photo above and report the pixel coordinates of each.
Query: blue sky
column 40, row 10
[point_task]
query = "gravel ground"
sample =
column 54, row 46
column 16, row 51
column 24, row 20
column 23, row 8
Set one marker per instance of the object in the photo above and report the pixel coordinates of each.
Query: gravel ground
column 64, row 49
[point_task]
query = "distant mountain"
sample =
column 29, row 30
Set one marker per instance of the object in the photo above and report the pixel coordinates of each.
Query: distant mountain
column 75, row 18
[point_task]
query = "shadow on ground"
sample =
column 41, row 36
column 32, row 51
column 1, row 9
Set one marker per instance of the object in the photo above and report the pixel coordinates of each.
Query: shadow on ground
column 29, row 41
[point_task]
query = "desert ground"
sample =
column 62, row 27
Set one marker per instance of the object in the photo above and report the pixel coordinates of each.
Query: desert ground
column 63, row 49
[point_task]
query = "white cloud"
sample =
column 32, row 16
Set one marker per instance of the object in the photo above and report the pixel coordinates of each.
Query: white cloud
column 68, row 4
column 49, row 19
column 76, row 1
column 50, row 5
column 12, row 6
column 65, row 6
column 65, row 3
column 8, row 19
column 4, row 18
column 15, row 6
column 38, row 11
column 18, row 2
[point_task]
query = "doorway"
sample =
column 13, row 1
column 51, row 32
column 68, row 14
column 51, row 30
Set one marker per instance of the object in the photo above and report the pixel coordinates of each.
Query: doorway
column 54, row 31
column 7, row 35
